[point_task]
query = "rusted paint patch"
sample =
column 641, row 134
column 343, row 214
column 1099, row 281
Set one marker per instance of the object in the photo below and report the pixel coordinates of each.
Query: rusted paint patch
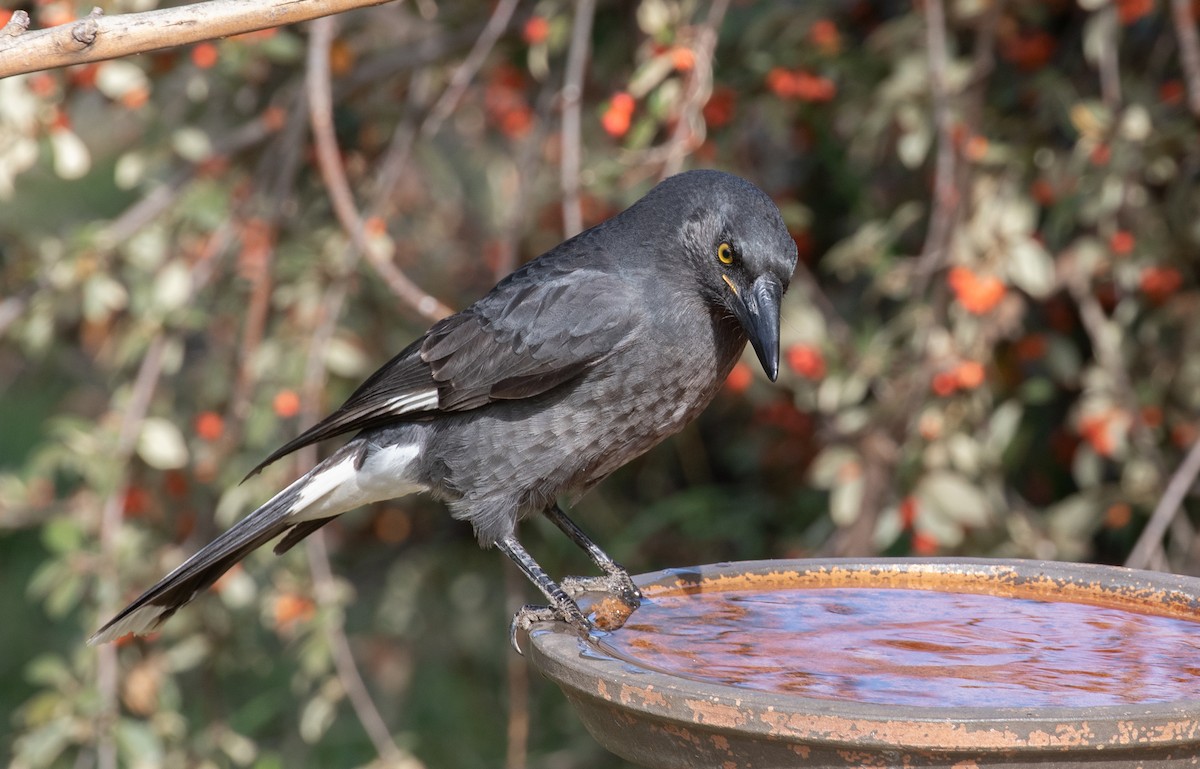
column 858, row 758
column 681, row 733
column 947, row 735
column 721, row 744
column 1066, row 735
column 932, row 735
column 715, row 714
column 1129, row 733
column 641, row 695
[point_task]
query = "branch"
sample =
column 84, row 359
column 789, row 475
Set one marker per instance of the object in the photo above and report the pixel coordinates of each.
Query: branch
column 279, row 167
column 516, row 754
column 1106, row 350
column 1107, row 353
column 394, row 161
column 983, row 61
column 333, row 173
column 1183, row 541
column 348, row 674
column 344, row 664
column 258, row 271
column 466, row 71
column 1164, row 512
column 149, row 375
column 840, row 332
column 110, row 525
column 572, row 97
column 411, row 54
column 1189, row 50
column 945, row 193
column 12, row 308
column 98, row 37
column 526, row 162
column 880, row 454
column 18, row 24
column 1109, row 66
column 690, row 127
column 689, row 130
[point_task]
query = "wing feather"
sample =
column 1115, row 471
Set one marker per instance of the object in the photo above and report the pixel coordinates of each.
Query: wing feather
column 530, row 334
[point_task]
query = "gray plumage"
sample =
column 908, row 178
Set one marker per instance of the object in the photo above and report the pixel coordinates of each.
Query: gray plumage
column 570, row 367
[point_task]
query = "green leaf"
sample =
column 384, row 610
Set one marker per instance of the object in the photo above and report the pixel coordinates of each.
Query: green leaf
column 952, row 497
column 1031, row 268
column 1037, row 390
column 964, row 453
column 1087, row 468
column 191, row 144
column 138, row 744
column 827, row 466
column 240, row 749
column 65, row 595
column 282, row 47
column 269, row 761
column 188, row 653
column 51, row 671
column 45, row 577
column 316, row 718
column 62, row 535
column 1064, row 360
column 102, row 296
column 1071, row 523
column 888, row 527
column 41, row 746
column 161, row 445
column 114, row 79
column 173, row 287
column 845, row 499
column 1001, row 429
column 346, row 358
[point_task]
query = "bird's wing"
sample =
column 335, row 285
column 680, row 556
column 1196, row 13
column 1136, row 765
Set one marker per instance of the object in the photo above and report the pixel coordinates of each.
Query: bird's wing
column 527, row 336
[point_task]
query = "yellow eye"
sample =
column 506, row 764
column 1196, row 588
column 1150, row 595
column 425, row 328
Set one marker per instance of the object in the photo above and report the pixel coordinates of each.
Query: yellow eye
column 725, row 253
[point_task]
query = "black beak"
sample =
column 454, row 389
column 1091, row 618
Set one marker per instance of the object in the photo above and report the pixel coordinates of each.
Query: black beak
column 759, row 317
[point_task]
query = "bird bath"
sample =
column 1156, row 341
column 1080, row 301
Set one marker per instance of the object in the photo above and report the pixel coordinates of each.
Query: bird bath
column 892, row 662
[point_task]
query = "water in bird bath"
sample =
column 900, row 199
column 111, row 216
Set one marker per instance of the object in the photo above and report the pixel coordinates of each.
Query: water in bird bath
column 909, row 647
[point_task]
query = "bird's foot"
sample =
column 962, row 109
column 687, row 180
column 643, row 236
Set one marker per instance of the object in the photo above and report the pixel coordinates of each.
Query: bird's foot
column 529, row 615
column 622, row 597
column 616, row 583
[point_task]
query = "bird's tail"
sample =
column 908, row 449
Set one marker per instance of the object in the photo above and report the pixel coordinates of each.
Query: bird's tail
column 200, row 571
column 345, row 480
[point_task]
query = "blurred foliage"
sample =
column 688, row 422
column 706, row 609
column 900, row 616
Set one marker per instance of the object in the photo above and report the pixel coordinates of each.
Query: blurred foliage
column 991, row 345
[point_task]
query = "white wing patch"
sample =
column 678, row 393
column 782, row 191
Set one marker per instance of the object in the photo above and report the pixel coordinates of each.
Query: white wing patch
column 335, row 488
column 418, row 401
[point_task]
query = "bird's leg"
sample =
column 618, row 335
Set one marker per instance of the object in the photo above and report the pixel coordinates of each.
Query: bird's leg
column 616, row 580
column 562, row 606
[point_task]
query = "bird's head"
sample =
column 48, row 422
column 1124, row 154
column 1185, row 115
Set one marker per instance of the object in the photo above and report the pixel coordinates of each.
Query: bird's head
column 740, row 252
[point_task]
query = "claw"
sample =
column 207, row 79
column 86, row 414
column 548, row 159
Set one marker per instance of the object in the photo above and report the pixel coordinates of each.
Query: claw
column 525, row 618
column 529, row 615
